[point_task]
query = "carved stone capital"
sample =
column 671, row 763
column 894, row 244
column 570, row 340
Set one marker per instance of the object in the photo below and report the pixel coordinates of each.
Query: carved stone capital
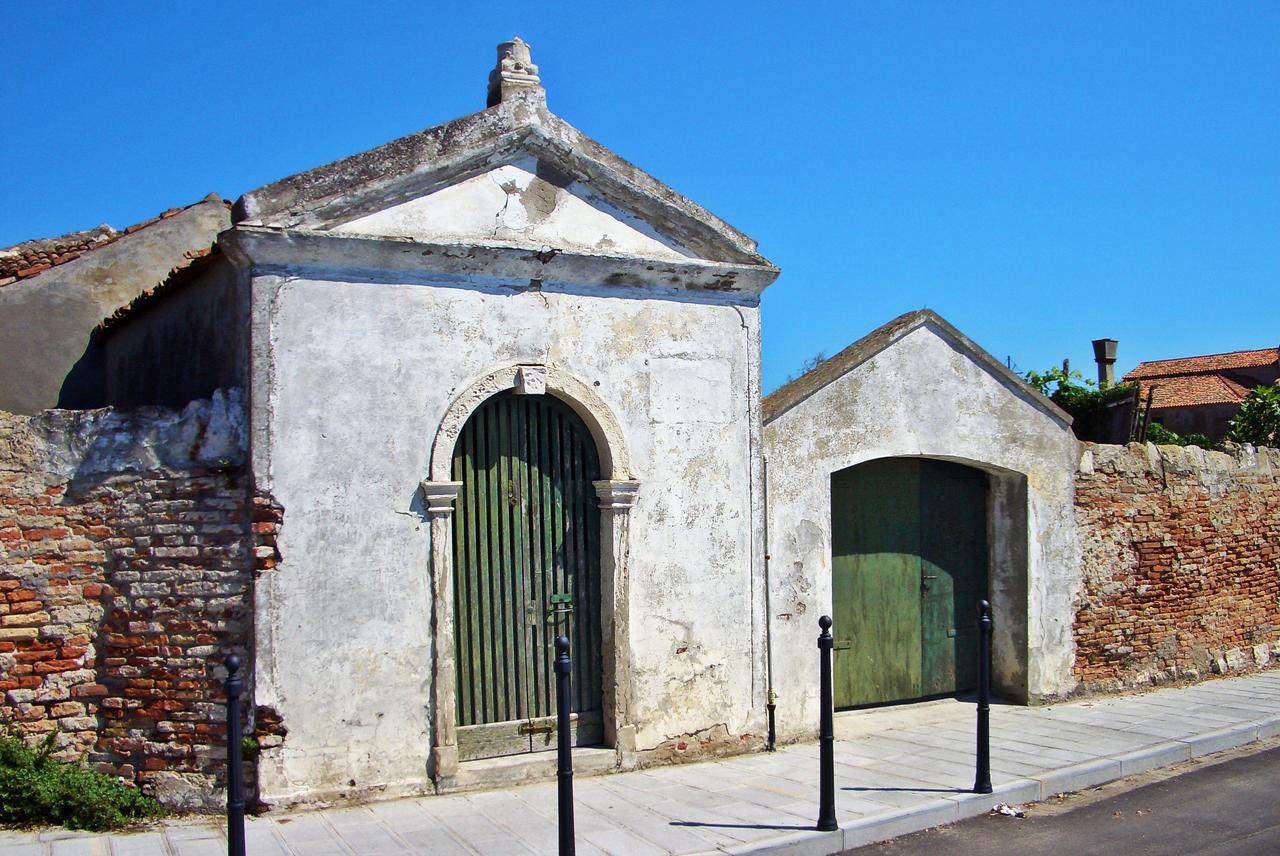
column 440, row 496
column 617, row 494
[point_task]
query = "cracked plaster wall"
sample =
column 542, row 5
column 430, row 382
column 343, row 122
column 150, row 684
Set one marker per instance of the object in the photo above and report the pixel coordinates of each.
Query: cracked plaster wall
column 922, row 396
column 350, row 384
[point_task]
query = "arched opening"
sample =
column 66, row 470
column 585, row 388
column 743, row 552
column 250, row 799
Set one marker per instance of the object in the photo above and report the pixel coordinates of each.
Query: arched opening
column 526, row 560
column 910, row 559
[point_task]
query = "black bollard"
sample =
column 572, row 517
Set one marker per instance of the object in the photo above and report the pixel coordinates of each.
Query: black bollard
column 826, row 732
column 982, row 781
column 564, row 747
column 235, row 771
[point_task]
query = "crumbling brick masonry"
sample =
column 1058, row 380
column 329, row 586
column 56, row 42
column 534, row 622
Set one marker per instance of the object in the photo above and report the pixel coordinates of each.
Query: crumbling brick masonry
column 125, row 574
column 1181, row 552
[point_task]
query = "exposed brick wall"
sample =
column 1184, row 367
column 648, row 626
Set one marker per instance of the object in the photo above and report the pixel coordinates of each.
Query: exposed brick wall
column 1181, row 552
column 125, row 578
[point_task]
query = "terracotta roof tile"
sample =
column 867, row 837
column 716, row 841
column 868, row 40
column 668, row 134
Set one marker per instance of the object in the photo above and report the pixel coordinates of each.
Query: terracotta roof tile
column 1193, row 390
column 29, row 258
column 32, row 257
column 183, row 274
column 1205, row 364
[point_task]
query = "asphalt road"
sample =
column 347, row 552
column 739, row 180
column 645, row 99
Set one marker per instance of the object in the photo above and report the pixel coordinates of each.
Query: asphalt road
column 1222, row 807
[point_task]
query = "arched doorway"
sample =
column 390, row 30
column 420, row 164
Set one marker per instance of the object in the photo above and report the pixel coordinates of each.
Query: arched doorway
column 526, row 559
column 909, row 562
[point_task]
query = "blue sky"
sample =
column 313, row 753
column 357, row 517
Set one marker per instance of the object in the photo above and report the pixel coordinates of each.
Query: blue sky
column 1041, row 174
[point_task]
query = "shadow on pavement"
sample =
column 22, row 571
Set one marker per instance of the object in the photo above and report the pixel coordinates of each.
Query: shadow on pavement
column 916, row 790
column 737, row 825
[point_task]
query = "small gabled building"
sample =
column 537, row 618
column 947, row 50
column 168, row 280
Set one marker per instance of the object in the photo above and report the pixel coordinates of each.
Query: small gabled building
column 502, row 385
column 910, row 476
column 1199, row 395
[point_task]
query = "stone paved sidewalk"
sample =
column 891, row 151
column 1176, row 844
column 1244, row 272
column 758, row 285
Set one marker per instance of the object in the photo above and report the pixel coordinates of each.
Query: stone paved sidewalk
column 897, row 770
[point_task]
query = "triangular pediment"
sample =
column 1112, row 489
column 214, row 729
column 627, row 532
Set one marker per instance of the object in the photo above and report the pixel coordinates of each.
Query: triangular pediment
column 524, row 203
column 894, row 335
column 512, row 175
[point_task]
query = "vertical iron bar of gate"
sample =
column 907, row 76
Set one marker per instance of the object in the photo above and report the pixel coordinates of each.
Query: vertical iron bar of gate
column 235, row 773
column 564, row 773
column 982, row 780
column 826, row 732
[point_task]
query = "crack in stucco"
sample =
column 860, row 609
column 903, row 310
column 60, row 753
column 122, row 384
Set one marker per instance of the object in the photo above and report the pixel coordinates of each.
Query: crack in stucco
column 500, row 218
column 696, row 735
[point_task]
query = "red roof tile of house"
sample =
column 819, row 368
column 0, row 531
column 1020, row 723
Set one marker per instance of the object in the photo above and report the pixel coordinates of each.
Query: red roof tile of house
column 1205, row 364
column 30, row 258
column 1193, row 390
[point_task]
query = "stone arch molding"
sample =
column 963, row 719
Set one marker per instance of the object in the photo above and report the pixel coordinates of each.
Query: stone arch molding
column 617, row 490
column 615, row 462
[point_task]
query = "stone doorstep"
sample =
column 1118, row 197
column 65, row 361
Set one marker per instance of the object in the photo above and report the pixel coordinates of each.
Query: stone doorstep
column 512, row 770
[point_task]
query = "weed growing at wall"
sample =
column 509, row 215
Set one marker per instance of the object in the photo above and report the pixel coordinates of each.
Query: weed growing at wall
column 37, row 789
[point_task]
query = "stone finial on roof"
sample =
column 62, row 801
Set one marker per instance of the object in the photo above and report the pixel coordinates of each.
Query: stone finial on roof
column 515, row 72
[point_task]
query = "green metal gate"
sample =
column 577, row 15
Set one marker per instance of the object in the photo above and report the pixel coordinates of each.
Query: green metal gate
column 526, row 557
column 908, row 565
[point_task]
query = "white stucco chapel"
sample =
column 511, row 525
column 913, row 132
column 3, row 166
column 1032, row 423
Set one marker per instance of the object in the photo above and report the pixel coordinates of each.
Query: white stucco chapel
column 503, row 386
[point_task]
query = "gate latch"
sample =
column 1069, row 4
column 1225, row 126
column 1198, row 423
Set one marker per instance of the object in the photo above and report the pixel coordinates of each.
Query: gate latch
column 564, row 598
column 537, row 726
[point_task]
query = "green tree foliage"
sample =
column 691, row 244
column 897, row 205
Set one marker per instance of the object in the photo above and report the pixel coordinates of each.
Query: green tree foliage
column 1081, row 398
column 36, row 789
column 1258, row 421
column 1066, row 389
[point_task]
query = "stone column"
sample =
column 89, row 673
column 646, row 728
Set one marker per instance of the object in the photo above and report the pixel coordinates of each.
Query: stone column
column 444, row 750
column 617, row 497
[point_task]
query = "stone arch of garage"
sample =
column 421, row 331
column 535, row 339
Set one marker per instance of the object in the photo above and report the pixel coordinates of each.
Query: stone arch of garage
column 617, row 491
column 1008, row 566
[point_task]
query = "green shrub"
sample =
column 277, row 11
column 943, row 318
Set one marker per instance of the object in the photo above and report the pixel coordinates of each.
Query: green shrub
column 1258, row 420
column 37, row 789
column 1162, row 436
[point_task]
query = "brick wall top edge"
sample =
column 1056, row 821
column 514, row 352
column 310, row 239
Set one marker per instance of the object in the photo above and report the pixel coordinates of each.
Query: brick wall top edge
column 78, row 443
column 1138, row 458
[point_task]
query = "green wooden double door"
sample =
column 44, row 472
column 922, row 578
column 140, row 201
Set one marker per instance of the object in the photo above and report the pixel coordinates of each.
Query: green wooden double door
column 526, row 558
column 909, row 565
